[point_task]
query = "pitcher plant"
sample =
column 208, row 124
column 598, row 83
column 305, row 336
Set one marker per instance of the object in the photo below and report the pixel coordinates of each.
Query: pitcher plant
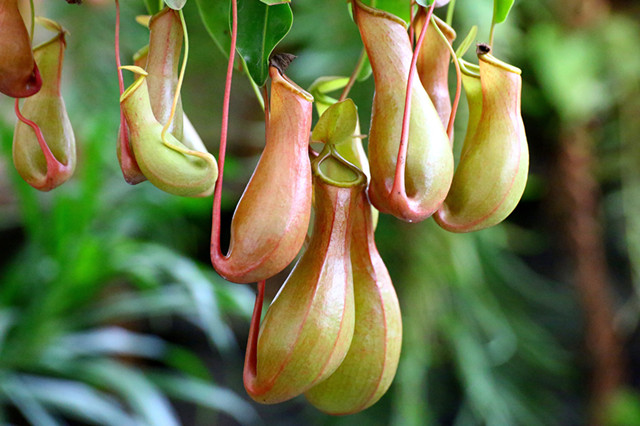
column 44, row 146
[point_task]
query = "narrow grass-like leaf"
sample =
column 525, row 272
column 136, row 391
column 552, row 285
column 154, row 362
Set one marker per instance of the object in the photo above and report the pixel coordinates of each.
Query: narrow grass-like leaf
column 172, row 299
column 7, row 320
column 467, row 42
column 207, row 395
column 186, row 362
column 151, row 6
column 400, row 8
column 235, row 300
column 204, row 300
column 108, row 341
column 78, row 400
column 157, row 263
column 260, row 29
column 33, row 411
column 145, row 398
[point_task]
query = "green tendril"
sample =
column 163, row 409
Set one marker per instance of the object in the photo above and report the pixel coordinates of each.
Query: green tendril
column 180, row 78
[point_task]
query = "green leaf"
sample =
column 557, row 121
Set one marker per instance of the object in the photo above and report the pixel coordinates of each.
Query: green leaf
column 186, row 362
column 327, row 84
column 12, row 387
column 172, row 299
column 142, row 396
column 111, row 340
column 425, row 3
column 467, row 42
column 260, row 29
column 501, row 10
column 569, row 71
column 323, row 85
column 400, row 8
column 337, row 124
column 272, row 2
column 151, row 6
column 175, row 4
column 215, row 17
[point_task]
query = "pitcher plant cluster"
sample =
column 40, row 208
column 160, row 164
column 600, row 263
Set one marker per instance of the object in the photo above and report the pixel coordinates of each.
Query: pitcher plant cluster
column 334, row 330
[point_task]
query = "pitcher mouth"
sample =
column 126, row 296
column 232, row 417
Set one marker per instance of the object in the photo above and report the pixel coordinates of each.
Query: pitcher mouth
column 446, row 29
column 142, row 74
column 34, row 84
column 484, row 54
column 329, row 152
column 289, row 84
column 468, row 68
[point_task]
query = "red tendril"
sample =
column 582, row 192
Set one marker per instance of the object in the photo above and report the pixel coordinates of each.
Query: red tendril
column 251, row 355
column 398, row 182
column 117, row 48
column 216, row 252
column 125, row 147
column 53, row 165
column 456, row 99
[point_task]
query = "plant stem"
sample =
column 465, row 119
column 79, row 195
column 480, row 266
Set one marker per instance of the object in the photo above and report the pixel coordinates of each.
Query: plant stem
column 493, row 27
column 398, row 181
column 354, row 75
column 251, row 355
column 450, row 9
